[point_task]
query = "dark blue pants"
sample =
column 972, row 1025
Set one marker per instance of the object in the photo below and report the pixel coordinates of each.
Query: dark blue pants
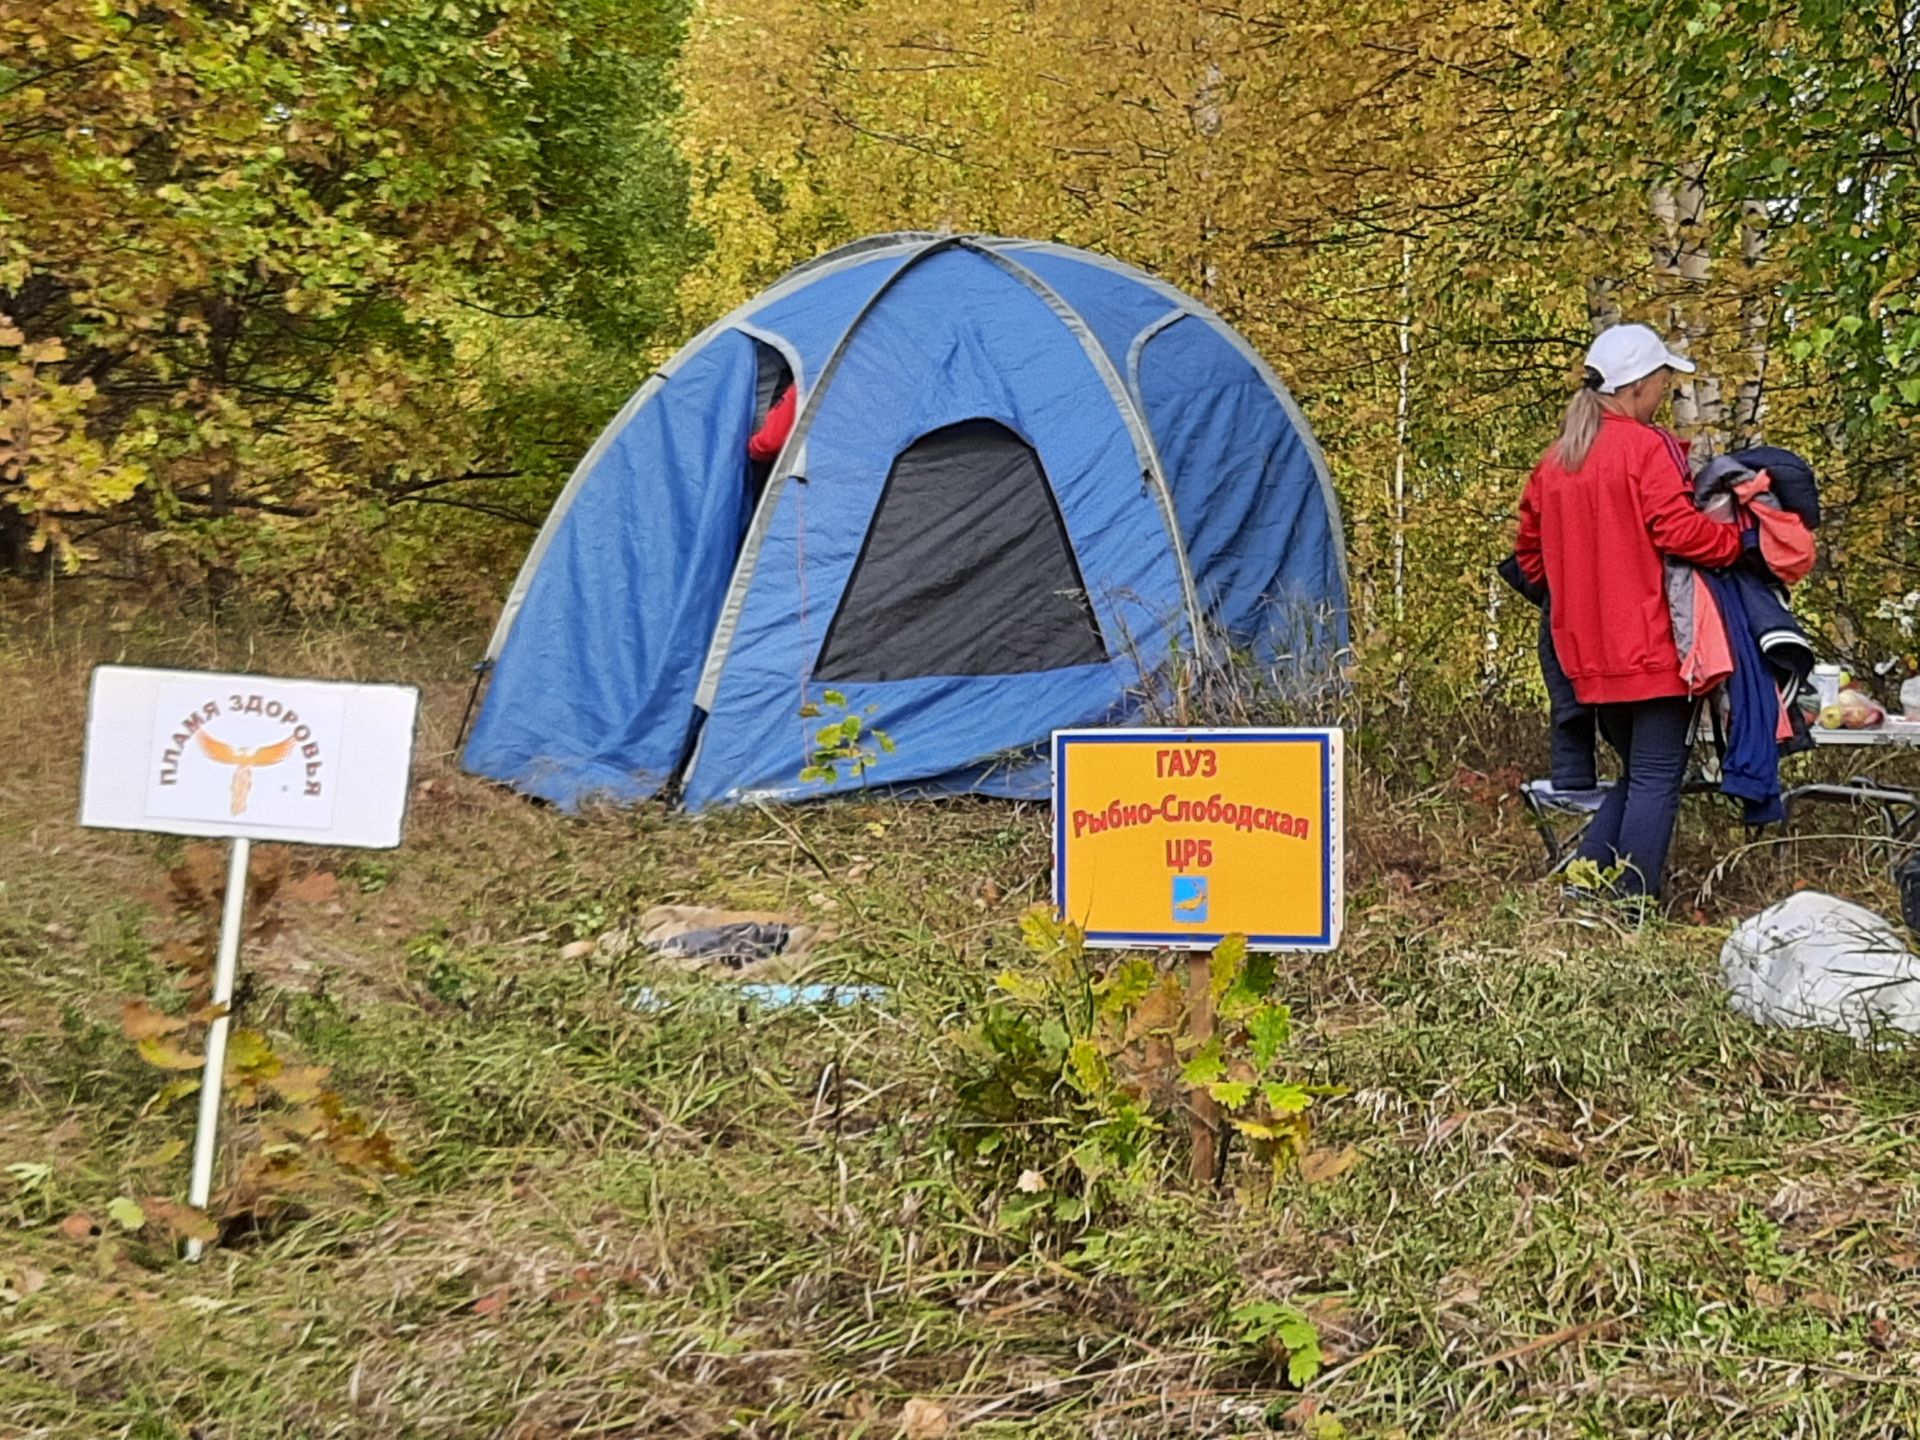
column 1572, row 738
column 1634, row 826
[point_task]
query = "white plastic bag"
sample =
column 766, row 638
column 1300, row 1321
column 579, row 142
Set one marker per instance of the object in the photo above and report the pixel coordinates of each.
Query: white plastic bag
column 1813, row 962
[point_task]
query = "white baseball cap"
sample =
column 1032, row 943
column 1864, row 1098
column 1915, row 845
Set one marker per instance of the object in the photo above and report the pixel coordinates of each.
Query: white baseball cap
column 1622, row 354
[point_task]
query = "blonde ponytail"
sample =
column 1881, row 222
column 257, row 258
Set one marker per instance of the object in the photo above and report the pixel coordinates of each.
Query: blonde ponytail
column 1580, row 426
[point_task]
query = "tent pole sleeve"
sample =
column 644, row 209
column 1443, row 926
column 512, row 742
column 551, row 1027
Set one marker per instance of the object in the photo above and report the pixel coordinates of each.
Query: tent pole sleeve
column 1137, row 429
column 784, row 469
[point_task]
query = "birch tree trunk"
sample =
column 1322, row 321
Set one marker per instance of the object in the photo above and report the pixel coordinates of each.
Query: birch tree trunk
column 1206, row 124
column 1749, row 405
column 1699, row 408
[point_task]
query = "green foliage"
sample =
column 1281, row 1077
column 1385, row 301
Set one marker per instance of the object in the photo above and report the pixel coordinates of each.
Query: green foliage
column 1281, row 1332
column 268, row 272
column 1074, row 1073
column 848, row 741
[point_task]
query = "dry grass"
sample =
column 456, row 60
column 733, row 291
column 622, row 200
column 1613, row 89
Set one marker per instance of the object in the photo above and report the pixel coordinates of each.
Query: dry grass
column 1591, row 1201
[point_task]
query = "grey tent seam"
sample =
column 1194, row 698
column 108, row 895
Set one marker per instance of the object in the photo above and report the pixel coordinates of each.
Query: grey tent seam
column 817, row 268
column 1142, row 437
column 1242, row 347
column 783, row 468
column 1138, row 347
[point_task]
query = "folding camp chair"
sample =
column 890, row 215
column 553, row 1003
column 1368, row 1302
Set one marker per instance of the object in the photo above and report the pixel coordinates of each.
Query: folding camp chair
column 1562, row 816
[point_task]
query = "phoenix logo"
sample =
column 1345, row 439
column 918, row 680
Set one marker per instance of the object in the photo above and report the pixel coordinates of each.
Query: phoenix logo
column 244, row 762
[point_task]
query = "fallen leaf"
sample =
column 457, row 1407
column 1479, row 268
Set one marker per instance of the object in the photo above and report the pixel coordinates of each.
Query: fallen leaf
column 251, row 1054
column 299, row 1083
column 315, row 889
column 163, row 1054
column 29, row 1281
column 140, row 1021
column 990, row 892
column 1792, row 1200
column 491, row 1303
column 199, row 877
column 1827, row 1305
column 79, row 1226
column 1032, row 1182
column 183, row 1221
column 174, row 1090
column 126, row 1213
column 1300, row 1414
column 1904, row 1260
column 165, row 1155
column 578, row 950
column 1319, row 1166
column 924, row 1420
column 1158, row 1010
column 1880, row 1333
column 1444, row 1130
column 1764, row 1293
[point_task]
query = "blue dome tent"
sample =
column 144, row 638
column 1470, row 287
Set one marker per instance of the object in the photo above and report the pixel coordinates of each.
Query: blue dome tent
column 1021, row 478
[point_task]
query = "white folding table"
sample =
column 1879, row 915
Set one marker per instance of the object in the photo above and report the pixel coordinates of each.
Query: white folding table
column 1899, row 806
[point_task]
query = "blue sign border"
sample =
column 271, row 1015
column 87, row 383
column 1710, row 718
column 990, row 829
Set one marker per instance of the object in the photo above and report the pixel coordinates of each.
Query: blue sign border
column 1063, row 743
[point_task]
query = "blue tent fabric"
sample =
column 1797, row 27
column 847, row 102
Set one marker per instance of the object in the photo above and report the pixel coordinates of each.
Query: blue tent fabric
column 1264, row 555
column 647, row 645
column 594, row 698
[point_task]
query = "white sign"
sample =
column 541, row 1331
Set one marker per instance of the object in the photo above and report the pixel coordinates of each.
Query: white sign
column 185, row 752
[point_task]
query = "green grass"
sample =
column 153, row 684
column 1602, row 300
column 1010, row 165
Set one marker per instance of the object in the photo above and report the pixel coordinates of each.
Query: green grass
column 1589, row 1200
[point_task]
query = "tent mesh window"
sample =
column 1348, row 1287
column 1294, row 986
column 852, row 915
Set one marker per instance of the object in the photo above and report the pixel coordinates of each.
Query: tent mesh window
column 966, row 569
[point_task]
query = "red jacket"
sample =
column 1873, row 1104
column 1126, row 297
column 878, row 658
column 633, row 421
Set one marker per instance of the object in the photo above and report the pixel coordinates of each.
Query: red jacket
column 1596, row 537
column 765, row 445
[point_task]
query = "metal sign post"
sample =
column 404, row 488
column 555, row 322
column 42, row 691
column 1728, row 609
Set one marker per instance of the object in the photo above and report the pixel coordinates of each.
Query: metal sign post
column 213, row 1074
column 244, row 758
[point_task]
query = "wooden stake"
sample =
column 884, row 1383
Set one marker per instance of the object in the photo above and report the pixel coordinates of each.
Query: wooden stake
column 1205, row 1118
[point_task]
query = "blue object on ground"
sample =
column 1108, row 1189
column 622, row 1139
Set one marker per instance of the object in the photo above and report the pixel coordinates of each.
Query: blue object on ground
column 766, row 995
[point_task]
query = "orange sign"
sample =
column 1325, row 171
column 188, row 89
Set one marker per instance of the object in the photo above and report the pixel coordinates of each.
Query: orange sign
column 1177, row 838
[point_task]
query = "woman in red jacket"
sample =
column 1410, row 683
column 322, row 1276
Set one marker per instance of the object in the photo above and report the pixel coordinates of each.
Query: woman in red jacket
column 1609, row 500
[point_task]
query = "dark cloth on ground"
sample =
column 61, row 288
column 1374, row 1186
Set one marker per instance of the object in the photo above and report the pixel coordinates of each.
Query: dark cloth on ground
column 731, row 946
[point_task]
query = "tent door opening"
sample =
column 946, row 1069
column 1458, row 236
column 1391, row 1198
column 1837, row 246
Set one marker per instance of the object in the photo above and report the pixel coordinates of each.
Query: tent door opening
column 966, row 568
column 771, row 378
